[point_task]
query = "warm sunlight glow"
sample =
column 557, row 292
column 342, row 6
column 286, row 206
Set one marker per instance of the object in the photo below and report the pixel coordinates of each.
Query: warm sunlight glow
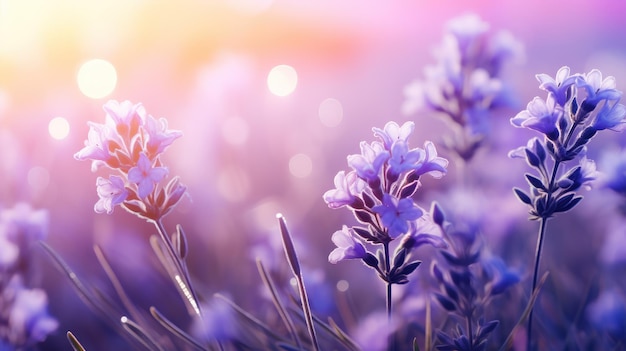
column 282, row 80
column 59, row 128
column 97, row 78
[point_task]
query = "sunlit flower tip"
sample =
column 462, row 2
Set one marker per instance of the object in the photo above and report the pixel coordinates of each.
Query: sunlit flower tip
column 159, row 136
column 125, row 117
column 541, row 116
column 396, row 213
column 560, row 85
column 368, row 164
column 613, row 117
column 112, row 192
column 392, row 132
column 146, row 176
column 347, row 186
column 348, row 246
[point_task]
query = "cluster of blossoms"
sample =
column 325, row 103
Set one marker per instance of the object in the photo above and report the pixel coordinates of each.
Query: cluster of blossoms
column 131, row 142
column 467, row 280
column 24, row 317
column 576, row 108
column 465, row 85
column 379, row 190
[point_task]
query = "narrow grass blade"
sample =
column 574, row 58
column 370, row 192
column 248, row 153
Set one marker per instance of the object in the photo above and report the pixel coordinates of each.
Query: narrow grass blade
column 75, row 344
column 140, row 334
column 250, row 318
column 174, row 329
column 294, row 263
column 508, row 343
column 267, row 280
column 117, row 285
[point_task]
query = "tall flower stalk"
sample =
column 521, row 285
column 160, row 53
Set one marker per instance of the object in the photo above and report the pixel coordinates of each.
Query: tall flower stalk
column 378, row 190
column 576, row 108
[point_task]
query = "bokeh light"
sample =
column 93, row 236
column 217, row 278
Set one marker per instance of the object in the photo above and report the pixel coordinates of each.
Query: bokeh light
column 97, row 78
column 59, row 128
column 343, row 285
column 282, row 80
column 330, row 112
column 300, row 165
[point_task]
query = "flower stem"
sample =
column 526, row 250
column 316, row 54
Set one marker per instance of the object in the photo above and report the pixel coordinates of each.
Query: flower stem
column 388, row 269
column 542, row 232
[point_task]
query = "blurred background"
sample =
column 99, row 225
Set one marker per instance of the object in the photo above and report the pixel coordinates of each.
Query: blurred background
column 271, row 96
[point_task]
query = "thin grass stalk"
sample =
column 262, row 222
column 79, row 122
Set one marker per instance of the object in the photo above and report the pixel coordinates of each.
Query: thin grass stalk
column 140, row 334
column 117, row 285
column 174, row 329
column 74, row 342
column 249, row 317
column 181, row 278
column 508, row 343
column 294, row 263
column 267, row 280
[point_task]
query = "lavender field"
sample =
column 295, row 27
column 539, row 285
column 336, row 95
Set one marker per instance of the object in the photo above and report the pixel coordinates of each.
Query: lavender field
column 287, row 175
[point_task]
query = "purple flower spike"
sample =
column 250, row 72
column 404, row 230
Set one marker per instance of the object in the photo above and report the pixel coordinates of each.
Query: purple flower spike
column 393, row 132
column 112, row 192
column 560, row 86
column 346, row 187
column 348, row 247
column 146, row 176
column 396, row 214
column 541, row 116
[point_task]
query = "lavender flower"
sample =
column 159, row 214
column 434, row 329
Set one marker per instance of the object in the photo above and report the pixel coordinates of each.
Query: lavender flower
column 388, row 174
column 465, row 85
column 131, row 143
column 570, row 119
